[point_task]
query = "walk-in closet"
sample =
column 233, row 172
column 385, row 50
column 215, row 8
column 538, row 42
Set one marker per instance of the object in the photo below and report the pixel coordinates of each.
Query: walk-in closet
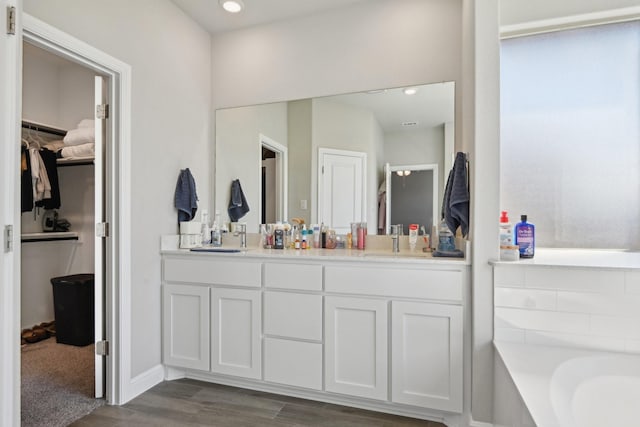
column 58, row 238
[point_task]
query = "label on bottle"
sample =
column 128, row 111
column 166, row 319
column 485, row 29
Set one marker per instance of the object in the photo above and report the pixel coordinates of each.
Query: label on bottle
column 525, row 239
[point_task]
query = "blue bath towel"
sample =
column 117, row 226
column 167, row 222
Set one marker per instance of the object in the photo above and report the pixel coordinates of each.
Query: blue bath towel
column 186, row 199
column 238, row 206
column 455, row 205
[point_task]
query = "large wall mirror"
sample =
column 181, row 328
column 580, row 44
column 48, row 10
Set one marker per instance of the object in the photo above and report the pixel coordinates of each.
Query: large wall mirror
column 329, row 159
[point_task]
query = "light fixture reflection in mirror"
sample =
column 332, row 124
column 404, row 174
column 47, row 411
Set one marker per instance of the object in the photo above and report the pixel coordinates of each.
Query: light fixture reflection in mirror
column 403, row 173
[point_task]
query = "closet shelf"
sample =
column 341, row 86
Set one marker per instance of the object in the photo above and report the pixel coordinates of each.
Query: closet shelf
column 75, row 161
column 49, row 237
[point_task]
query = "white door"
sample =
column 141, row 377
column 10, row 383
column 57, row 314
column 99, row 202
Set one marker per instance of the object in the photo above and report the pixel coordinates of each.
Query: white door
column 342, row 190
column 10, row 94
column 100, row 98
column 185, row 326
column 356, row 347
column 236, row 318
column 426, row 354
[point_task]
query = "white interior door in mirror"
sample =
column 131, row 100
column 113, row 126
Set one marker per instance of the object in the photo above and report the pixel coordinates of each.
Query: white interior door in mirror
column 341, row 188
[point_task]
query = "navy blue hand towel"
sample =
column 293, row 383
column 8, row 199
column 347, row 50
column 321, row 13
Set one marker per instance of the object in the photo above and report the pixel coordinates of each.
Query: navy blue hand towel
column 238, row 206
column 186, row 199
column 455, row 205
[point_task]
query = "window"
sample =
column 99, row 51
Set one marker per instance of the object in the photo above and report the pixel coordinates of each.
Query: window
column 570, row 135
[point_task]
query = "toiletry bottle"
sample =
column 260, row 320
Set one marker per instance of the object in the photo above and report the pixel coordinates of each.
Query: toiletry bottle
column 446, row 240
column 525, row 237
column 303, row 240
column 506, row 231
column 296, row 239
column 206, row 230
column 216, row 233
column 316, row 236
column 413, row 236
column 309, row 237
column 278, row 238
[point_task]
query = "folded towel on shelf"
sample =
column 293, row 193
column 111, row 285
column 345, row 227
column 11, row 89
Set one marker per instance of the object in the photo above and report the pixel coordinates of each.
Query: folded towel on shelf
column 80, row 136
column 186, row 199
column 455, row 204
column 238, row 206
column 83, row 150
column 87, row 123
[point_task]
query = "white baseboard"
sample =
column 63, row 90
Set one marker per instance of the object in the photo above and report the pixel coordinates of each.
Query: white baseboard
column 473, row 423
column 143, row 382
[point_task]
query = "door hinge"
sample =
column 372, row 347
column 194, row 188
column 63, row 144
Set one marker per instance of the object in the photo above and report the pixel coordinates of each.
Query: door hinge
column 8, row 238
column 102, row 348
column 102, row 229
column 11, row 20
column 102, row 111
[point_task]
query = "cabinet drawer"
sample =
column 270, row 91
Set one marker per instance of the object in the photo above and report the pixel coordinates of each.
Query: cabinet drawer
column 443, row 285
column 293, row 315
column 293, row 363
column 213, row 271
column 293, row 276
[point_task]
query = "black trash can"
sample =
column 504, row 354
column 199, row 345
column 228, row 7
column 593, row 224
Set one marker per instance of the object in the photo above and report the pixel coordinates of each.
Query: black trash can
column 73, row 306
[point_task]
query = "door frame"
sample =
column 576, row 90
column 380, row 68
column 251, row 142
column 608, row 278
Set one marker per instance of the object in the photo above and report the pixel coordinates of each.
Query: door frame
column 117, row 272
column 10, row 106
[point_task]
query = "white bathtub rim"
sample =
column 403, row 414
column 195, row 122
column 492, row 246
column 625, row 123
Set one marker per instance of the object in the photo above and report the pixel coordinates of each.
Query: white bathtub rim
column 531, row 368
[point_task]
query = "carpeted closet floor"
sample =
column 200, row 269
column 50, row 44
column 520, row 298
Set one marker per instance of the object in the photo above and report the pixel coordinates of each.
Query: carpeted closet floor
column 57, row 383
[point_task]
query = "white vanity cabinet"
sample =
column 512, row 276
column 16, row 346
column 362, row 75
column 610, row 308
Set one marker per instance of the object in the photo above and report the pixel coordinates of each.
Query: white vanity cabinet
column 356, row 346
column 212, row 315
column 425, row 340
column 236, row 337
column 293, row 324
column 426, row 355
column 185, row 326
column 383, row 334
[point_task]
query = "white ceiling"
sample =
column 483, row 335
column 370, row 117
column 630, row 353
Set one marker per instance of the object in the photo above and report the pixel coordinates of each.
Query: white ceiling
column 431, row 106
column 210, row 15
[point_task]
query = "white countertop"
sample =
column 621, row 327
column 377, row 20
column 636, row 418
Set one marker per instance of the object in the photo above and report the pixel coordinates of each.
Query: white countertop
column 328, row 255
column 580, row 258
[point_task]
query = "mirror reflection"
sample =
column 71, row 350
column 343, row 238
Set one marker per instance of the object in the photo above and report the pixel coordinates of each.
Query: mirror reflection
column 322, row 160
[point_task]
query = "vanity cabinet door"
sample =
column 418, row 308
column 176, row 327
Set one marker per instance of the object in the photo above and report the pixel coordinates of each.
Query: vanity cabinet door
column 356, row 346
column 236, row 332
column 185, row 328
column 426, row 354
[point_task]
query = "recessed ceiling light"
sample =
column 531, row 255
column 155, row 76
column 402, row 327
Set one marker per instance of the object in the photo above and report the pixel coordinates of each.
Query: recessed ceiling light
column 232, row 6
column 410, row 91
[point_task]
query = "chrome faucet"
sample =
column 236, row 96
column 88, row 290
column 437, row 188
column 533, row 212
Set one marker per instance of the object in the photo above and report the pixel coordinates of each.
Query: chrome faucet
column 395, row 237
column 241, row 230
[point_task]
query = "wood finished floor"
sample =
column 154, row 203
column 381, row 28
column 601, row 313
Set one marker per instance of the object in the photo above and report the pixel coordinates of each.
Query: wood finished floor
column 195, row 403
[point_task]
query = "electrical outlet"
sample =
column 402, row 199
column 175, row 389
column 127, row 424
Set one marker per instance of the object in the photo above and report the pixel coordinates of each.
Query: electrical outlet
column 303, row 205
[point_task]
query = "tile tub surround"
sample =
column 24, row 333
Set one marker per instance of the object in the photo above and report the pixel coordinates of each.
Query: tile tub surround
column 584, row 299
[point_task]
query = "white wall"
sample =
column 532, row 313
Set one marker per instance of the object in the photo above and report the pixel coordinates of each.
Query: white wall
column 299, row 144
column 345, row 127
column 171, row 98
column 239, row 154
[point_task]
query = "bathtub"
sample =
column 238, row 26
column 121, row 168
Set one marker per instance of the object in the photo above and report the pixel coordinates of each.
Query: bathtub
column 563, row 387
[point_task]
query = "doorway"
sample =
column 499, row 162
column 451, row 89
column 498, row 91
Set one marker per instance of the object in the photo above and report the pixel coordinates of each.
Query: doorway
column 274, row 181
column 342, row 189
column 61, row 315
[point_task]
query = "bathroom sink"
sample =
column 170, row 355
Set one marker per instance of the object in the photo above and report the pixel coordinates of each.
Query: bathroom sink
column 219, row 250
column 396, row 255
